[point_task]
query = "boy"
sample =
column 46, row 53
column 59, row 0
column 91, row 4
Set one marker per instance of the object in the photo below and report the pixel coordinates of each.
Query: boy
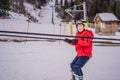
column 83, row 47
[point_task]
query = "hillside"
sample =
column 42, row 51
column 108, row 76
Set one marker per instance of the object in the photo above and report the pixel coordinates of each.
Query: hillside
column 45, row 60
column 93, row 7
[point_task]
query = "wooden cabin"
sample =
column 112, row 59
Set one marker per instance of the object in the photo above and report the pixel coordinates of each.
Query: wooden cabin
column 105, row 23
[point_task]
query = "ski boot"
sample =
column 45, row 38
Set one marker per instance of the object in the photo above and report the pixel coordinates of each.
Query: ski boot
column 78, row 77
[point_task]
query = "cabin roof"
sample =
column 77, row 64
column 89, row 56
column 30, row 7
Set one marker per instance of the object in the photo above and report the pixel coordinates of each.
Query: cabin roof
column 107, row 17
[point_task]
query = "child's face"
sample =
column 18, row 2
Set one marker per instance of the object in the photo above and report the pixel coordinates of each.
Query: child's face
column 80, row 27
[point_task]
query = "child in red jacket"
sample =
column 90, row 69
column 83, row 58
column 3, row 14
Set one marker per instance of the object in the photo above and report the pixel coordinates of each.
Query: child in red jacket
column 83, row 48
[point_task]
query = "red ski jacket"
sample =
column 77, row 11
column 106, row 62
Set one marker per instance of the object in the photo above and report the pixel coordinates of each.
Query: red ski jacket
column 84, row 45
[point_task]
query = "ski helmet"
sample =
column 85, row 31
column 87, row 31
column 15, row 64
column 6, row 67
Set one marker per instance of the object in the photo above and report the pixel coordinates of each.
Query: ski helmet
column 79, row 22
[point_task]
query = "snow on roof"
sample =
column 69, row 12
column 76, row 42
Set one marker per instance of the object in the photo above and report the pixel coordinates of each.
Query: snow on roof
column 107, row 17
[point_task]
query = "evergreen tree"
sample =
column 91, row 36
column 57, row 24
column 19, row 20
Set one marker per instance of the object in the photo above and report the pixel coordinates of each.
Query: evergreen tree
column 18, row 6
column 117, row 9
column 64, row 6
column 56, row 2
column 61, row 3
column 4, row 7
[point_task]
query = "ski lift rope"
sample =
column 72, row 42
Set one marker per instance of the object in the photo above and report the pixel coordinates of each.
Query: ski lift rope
column 56, row 35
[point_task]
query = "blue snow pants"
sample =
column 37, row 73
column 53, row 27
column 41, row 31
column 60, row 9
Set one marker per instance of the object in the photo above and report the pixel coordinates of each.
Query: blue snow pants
column 77, row 64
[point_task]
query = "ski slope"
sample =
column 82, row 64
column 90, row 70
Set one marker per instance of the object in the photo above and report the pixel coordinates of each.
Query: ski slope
column 45, row 60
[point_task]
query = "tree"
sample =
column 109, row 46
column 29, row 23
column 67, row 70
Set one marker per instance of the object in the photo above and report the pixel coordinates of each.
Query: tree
column 56, row 2
column 117, row 9
column 18, row 6
column 4, row 7
column 61, row 3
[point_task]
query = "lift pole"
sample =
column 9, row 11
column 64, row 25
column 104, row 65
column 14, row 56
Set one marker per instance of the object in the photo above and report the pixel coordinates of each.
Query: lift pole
column 71, row 12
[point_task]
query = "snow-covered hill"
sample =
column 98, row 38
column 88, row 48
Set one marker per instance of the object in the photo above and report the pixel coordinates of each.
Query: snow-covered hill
column 44, row 60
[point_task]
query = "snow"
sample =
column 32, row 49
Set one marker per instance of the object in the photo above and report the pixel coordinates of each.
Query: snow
column 107, row 17
column 33, row 61
column 45, row 60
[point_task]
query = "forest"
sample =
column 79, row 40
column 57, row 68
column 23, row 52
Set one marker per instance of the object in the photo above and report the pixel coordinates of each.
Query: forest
column 93, row 7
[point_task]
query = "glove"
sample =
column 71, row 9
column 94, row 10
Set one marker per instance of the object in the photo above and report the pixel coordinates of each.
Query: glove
column 75, row 41
column 68, row 40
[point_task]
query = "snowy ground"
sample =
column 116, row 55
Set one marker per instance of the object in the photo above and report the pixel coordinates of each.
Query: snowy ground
column 43, row 60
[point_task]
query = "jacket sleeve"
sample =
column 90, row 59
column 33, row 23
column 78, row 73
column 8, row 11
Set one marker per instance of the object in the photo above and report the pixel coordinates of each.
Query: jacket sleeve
column 86, row 42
